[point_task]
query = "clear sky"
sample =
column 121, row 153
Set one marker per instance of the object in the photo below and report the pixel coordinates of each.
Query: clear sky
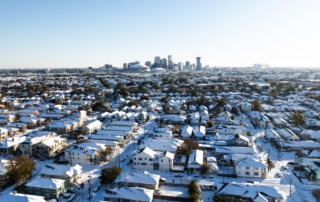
column 82, row 33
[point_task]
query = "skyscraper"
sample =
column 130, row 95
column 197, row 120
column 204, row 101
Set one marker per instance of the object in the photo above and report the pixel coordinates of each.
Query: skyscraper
column 198, row 66
column 170, row 62
column 157, row 60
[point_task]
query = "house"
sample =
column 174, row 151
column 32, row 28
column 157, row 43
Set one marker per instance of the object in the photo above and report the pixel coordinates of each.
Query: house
column 249, row 167
column 166, row 161
column 28, row 148
column 239, row 141
column 231, row 129
column 233, row 191
column 132, row 124
column 143, row 180
column 47, row 187
column 67, row 173
column 172, row 193
column 3, row 133
column 17, row 197
column 60, row 127
column 21, row 126
column 143, row 160
column 10, row 145
column 288, row 135
column 128, row 194
column 163, row 132
column 87, row 153
column 195, row 160
column 200, row 132
column 163, row 144
column 92, row 127
column 50, row 146
column 3, row 171
column 187, row 131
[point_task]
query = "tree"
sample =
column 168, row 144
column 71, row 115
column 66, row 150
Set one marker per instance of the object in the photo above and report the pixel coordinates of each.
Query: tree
column 103, row 154
column 298, row 119
column 205, row 169
column 316, row 194
column 19, row 169
column 255, row 105
column 109, row 175
column 270, row 164
column 17, row 117
column 189, row 146
column 209, row 124
column 194, row 191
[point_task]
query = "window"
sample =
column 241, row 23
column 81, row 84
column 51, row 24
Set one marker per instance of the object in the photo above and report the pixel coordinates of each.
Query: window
column 140, row 159
column 134, row 158
column 150, row 159
column 247, row 173
column 256, row 168
column 144, row 164
column 161, row 160
column 256, row 173
column 134, row 164
column 247, row 167
column 145, row 158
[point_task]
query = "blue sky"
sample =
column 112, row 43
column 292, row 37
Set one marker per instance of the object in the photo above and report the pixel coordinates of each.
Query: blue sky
column 82, row 33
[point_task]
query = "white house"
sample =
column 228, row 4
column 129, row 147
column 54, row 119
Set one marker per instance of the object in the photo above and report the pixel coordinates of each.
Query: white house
column 195, row 159
column 143, row 160
column 92, row 127
column 250, row 167
column 166, row 161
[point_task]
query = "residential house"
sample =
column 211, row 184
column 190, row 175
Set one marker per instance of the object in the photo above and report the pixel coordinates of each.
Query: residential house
column 249, row 167
column 143, row 180
column 128, row 194
column 47, row 187
column 143, row 160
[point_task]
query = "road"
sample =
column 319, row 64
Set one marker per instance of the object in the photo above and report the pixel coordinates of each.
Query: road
column 128, row 150
column 287, row 175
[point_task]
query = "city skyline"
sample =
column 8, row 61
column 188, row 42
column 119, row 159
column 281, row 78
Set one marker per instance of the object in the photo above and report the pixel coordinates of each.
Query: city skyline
column 38, row 34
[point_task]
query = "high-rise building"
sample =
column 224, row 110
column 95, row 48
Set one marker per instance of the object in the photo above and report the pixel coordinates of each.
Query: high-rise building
column 187, row 63
column 164, row 63
column 125, row 66
column 198, row 66
column 157, row 60
column 170, row 62
column 180, row 66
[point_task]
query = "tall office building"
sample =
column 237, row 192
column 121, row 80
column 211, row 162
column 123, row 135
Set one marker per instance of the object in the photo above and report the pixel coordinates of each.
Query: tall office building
column 157, row 60
column 198, row 66
column 164, row 63
column 180, row 66
column 170, row 62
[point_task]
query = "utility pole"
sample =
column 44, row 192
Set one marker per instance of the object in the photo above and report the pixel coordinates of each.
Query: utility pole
column 118, row 157
column 89, row 189
column 290, row 186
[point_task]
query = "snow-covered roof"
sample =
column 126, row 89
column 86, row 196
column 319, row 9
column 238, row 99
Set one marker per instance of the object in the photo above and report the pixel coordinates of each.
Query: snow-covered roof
column 16, row 197
column 195, row 159
column 145, row 178
column 61, row 170
column 47, row 183
column 250, row 162
column 130, row 193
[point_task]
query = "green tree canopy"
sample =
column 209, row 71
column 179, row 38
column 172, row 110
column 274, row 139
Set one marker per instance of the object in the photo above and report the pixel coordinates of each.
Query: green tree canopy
column 109, row 175
column 19, row 169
